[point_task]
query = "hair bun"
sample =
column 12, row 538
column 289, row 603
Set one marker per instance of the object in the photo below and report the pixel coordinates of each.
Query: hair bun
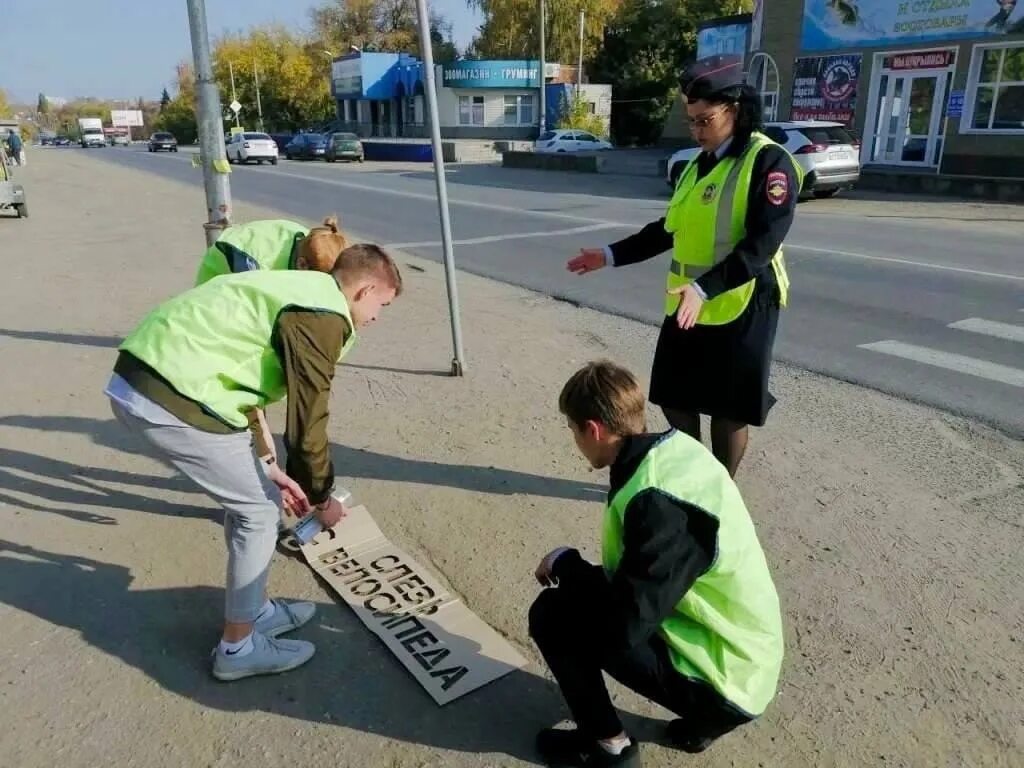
column 331, row 222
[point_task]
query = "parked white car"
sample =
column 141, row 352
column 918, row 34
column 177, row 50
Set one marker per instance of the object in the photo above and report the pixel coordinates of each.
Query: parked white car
column 568, row 140
column 828, row 153
column 244, row 147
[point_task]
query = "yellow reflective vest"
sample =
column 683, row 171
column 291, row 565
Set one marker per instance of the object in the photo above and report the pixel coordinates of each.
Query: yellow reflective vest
column 727, row 629
column 707, row 219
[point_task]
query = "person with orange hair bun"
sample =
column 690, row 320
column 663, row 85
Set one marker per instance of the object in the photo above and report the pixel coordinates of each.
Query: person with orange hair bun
column 274, row 244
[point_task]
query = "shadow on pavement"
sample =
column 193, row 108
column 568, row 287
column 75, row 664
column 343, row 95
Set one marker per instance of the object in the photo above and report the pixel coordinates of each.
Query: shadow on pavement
column 357, row 462
column 351, row 462
column 352, row 681
column 48, row 480
column 84, row 340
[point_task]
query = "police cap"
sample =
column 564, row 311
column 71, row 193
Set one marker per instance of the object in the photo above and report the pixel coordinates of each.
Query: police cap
column 711, row 76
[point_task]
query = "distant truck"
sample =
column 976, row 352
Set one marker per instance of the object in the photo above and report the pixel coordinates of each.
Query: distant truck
column 91, row 129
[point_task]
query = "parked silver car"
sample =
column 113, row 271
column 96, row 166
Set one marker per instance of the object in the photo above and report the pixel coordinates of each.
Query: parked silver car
column 828, row 152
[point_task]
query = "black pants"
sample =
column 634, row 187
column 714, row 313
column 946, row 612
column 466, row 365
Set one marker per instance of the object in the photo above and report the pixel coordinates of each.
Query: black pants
column 557, row 626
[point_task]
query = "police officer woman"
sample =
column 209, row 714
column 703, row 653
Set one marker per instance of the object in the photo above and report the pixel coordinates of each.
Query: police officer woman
column 732, row 208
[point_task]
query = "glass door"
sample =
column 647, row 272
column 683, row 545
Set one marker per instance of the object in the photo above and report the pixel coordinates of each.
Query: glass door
column 891, row 105
column 909, row 124
column 918, row 131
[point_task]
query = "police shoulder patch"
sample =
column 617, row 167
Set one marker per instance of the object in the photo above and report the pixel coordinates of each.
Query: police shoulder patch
column 777, row 187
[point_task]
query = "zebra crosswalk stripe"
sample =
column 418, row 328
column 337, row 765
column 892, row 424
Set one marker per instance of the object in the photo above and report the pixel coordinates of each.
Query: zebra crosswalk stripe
column 971, row 366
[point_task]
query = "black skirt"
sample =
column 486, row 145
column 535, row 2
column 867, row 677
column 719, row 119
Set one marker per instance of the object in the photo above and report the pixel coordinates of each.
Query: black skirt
column 719, row 370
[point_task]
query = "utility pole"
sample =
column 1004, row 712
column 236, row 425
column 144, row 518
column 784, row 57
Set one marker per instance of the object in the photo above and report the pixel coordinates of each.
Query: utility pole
column 579, row 69
column 259, row 105
column 543, row 66
column 234, row 98
column 459, row 360
column 211, row 126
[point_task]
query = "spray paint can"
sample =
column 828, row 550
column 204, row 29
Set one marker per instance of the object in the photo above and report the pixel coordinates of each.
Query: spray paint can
column 310, row 525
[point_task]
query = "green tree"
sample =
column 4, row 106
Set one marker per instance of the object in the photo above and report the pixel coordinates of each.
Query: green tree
column 5, row 106
column 378, row 25
column 294, row 77
column 575, row 112
column 179, row 114
column 510, row 28
column 646, row 45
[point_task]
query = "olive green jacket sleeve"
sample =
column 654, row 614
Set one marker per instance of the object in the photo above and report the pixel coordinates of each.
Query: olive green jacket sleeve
column 309, row 344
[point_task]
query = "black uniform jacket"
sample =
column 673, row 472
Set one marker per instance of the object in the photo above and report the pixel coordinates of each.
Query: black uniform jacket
column 668, row 545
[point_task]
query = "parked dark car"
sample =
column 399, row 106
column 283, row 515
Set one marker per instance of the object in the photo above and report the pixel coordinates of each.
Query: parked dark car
column 163, row 141
column 306, row 146
column 282, row 140
column 344, row 146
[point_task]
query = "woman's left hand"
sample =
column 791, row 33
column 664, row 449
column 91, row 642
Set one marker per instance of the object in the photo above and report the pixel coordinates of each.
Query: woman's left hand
column 689, row 306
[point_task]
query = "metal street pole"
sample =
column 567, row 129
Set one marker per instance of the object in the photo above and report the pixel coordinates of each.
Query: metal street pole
column 211, row 126
column 579, row 69
column 259, row 105
column 459, row 361
column 234, row 98
column 543, row 65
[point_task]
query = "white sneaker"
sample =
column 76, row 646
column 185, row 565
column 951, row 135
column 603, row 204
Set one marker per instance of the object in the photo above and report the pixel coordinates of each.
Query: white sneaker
column 269, row 656
column 286, row 617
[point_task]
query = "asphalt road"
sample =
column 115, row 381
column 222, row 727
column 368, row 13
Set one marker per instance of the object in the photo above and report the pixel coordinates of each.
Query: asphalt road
column 924, row 300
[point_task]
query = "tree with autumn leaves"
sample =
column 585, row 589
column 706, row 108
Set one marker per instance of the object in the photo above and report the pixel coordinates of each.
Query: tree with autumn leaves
column 636, row 46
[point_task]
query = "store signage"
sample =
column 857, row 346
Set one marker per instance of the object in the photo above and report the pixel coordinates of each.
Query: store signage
column 491, row 74
column 920, row 60
column 347, row 75
column 832, row 24
column 825, row 88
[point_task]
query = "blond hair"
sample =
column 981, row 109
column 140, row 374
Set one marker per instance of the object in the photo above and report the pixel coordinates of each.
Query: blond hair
column 607, row 393
column 320, row 248
column 367, row 260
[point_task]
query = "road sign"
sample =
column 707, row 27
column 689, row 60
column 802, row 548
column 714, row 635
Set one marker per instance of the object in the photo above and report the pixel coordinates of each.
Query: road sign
column 235, row 106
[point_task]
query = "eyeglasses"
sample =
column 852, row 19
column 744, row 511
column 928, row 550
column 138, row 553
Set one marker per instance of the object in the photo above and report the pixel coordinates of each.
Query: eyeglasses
column 707, row 120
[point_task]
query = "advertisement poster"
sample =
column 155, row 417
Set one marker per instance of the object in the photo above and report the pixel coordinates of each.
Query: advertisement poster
column 825, row 88
column 832, row 24
column 723, row 38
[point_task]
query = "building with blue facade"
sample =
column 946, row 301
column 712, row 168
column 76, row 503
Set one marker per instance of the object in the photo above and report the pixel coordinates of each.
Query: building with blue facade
column 382, row 95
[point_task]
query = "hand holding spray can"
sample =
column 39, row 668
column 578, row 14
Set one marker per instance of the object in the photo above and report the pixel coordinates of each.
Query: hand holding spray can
column 310, row 526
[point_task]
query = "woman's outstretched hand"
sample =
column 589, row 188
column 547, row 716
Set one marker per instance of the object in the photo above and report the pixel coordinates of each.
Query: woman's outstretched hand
column 589, row 260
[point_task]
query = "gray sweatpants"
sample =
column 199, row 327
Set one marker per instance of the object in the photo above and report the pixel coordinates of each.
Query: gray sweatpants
column 225, row 467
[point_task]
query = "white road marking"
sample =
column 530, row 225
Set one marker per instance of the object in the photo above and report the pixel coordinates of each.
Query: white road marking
column 972, row 366
column 907, row 262
column 503, row 238
column 990, row 328
column 431, row 197
column 465, row 203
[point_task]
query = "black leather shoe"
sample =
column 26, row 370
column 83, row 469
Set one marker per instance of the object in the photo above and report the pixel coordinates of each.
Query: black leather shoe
column 681, row 738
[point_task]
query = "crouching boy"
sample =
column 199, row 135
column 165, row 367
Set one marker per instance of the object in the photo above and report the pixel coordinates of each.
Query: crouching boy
column 682, row 609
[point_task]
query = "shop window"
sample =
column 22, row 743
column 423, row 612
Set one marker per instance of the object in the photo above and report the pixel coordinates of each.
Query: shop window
column 996, row 89
column 471, row 110
column 519, row 110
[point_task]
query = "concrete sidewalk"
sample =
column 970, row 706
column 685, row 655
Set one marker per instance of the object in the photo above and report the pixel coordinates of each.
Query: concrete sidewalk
column 894, row 532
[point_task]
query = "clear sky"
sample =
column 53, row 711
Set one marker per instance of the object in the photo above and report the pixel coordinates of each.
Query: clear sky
column 128, row 48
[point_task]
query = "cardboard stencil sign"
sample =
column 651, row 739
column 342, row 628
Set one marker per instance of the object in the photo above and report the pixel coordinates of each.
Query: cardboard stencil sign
column 448, row 649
